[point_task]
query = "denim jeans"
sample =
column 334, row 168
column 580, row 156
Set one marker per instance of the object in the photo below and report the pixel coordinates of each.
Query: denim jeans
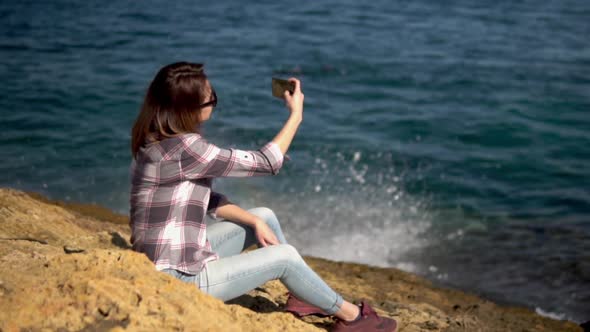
column 236, row 273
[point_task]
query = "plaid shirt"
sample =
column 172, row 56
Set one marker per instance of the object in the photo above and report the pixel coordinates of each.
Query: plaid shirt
column 171, row 194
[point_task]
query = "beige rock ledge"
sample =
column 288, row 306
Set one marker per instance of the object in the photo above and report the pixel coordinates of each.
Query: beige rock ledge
column 68, row 267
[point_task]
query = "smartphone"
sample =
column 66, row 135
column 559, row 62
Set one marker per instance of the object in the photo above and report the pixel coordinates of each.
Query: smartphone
column 279, row 86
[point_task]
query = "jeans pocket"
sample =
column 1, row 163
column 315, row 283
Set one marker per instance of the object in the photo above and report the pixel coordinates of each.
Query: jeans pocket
column 182, row 276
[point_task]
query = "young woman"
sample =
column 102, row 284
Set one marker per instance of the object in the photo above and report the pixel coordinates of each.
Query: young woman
column 171, row 193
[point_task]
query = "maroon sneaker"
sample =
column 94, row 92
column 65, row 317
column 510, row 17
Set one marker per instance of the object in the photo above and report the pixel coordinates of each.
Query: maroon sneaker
column 369, row 321
column 299, row 308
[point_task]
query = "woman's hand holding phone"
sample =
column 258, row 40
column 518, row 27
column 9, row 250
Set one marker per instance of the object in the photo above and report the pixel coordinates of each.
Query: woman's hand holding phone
column 294, row 102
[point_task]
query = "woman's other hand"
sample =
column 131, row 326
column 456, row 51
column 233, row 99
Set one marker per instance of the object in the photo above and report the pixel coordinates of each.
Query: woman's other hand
column 294, row 102
column 264, row 234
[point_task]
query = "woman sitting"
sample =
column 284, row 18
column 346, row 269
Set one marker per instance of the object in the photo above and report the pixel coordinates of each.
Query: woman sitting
column 171, row 193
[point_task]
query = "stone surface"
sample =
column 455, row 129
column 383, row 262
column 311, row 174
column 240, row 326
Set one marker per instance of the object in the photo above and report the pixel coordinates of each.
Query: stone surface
column 69, row 267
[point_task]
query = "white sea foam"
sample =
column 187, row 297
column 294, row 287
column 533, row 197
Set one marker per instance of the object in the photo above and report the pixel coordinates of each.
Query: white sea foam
column 352, row 227
column 375, row 246
column 552, row 315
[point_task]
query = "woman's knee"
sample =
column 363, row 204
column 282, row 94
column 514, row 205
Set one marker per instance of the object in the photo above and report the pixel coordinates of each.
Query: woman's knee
column 288, row 253
column 265, row 214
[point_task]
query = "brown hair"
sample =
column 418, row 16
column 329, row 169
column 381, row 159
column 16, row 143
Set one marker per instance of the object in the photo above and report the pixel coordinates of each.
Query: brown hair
column 171, row 104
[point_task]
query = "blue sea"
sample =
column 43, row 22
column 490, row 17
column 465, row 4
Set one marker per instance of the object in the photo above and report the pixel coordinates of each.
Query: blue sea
column 447, row 138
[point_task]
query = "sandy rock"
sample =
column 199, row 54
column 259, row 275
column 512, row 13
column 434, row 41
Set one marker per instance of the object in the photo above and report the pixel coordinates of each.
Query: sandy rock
column 67, row 267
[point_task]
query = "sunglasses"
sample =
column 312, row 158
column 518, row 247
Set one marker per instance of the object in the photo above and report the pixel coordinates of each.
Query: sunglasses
column 212, row 102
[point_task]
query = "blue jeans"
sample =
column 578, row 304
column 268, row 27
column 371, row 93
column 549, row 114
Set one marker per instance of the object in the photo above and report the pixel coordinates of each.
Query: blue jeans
column 236, row 273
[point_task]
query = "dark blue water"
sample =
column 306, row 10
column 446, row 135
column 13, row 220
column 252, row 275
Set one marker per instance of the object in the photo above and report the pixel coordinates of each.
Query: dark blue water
column 450, row 139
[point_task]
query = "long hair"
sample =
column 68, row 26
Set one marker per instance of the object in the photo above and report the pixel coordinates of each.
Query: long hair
column 171, row 104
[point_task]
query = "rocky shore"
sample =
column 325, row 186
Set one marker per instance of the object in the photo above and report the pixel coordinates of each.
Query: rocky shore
column 69, row 267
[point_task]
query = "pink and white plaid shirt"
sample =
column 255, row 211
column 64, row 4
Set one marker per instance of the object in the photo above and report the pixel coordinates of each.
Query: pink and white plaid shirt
column 171, row 194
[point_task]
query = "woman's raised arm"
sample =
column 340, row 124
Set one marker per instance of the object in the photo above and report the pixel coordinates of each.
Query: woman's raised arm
column 201, row 159
column 294, row 104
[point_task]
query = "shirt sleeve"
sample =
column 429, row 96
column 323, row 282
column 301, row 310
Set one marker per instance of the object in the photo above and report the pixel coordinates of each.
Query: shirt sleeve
column 201, row 159
column 216, row 200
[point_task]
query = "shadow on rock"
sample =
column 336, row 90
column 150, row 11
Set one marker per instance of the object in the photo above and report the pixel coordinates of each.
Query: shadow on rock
column 259, row 304
column 119, row 241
